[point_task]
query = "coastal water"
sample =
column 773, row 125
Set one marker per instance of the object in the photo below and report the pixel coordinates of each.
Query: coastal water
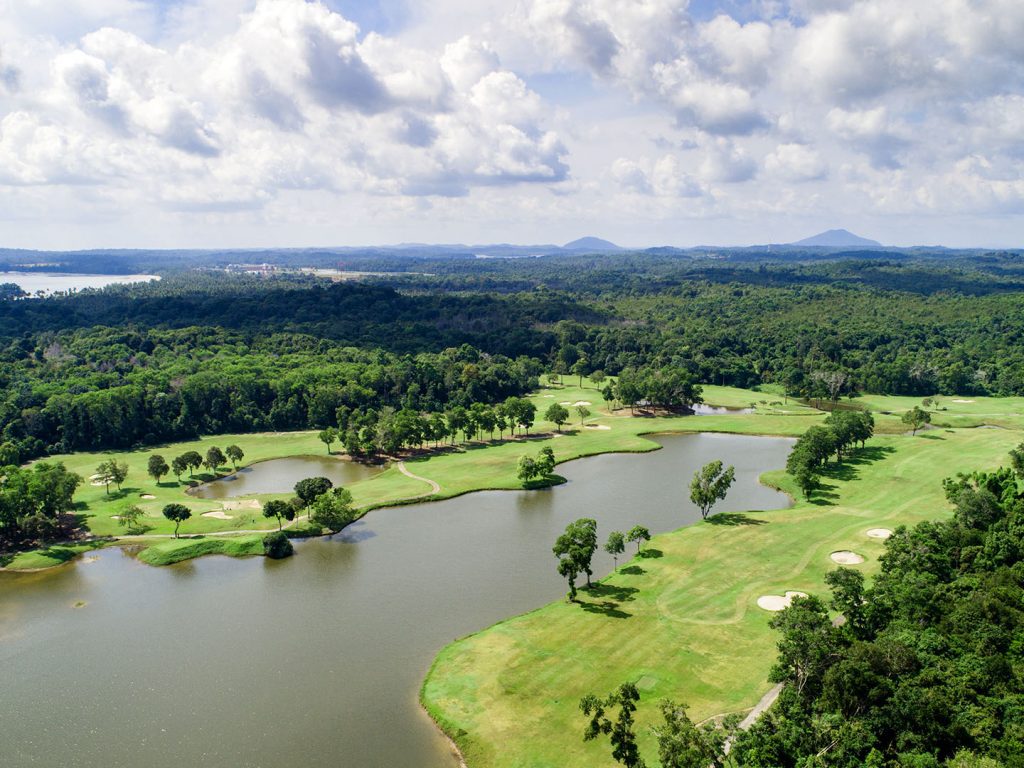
column 53, row 282
column 315, row 660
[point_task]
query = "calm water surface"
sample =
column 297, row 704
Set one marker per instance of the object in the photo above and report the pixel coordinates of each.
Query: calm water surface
column 281, row 475
column 315, row 660
column 48, row 282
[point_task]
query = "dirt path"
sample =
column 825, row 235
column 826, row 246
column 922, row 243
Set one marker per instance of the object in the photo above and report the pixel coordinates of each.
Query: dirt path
column 434, row 487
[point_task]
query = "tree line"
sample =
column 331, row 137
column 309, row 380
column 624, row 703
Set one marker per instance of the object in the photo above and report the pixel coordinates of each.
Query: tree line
column 841, row 431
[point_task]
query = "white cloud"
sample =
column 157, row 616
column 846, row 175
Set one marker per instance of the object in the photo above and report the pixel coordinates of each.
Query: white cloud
column 796, row 162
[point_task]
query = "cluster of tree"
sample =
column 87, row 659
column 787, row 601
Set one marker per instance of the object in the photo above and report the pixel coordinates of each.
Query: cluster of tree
column 669, row 387
column 325, row 506
column 681, row 743
column 841, row 431
column 35, row 502
column 576, row 546
column 926, row 669
column 369, row 432
column 190, row 461
column 120, row 388
column 530, row 470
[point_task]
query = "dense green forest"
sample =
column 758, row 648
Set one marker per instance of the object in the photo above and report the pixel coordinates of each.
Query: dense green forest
column 926, row 670
column 204, row 351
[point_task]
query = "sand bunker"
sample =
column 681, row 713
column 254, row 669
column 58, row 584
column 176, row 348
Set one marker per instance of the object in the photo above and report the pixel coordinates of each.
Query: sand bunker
column 241, row 504
column 217, row 514
column 565, row 403
column 879, row 533
column 146, row 496
column 597, row 426
column 582, row 402
column 962, row 401
column 777, row 602
column 846, row 557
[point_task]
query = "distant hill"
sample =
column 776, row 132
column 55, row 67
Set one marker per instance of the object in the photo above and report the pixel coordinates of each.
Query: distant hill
column 837, row 238
column 594, row 244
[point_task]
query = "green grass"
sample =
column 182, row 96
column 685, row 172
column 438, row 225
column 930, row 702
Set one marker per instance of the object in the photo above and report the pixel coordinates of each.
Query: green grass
column 171, row 551
column 684, row 620
column 465, row 468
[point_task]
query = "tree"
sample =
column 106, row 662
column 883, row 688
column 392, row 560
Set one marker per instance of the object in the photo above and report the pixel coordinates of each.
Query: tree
column 193, row 461
column 597, row 377
column 608, row 394
column 234, row 453
column 528, row 469
column 615, row 546
column 282, row 510
column 807, row 479
column 311, row 488
column 710, row 485
column 178, row 466
column 583, row 412
column 639, row 534
column 807, row 647
column 157, row 467
column 682, row 744
column 214, row 458
column 333, row 510
column 177, row 513
column 112, row 471
column 916, row 418
column 620, row 732
column 557, row 414
column 328, row 436
column 277, row 546
column 579, row 368
column 848, row 598
column 575, row 549
column 130, row 516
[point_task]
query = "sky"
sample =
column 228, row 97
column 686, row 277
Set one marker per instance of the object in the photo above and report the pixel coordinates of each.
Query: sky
column 277, row 123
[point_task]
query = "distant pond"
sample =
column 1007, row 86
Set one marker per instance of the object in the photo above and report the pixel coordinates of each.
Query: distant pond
column 281, row 475
column 314, row 661
column 52, row 282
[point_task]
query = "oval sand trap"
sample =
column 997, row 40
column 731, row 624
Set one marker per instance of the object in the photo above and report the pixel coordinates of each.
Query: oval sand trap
column 778, row 602
column 597, row 426
column 846, row 557
column 218, row 514
column 879, row 533
column 582, row 402
column 146, row 496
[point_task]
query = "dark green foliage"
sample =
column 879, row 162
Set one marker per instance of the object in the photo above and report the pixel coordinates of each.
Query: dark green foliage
column 214, row 458
column 710, row 484
column 281, row 510
column 277, row 546
column 927, row 668
column 35, row 502
column 312, row 487
column 177, row 513
column 615, row 546
column 916, row 418
column 682, row 744
column 333, row 509
column 557, row 414
column 620, row 731
column 157, row 467
column 574, row 550
column 639, row 534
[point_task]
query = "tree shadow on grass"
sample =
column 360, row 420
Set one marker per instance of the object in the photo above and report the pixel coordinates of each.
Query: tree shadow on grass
column 651, row 552
column 824, row 496
column 632, row 570
column 927, row 436
column 606, row 608
column 735, row 518
column 609, row 596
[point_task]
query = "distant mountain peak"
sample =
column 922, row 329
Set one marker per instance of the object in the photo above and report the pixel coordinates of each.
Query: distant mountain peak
column 837, row 238
column 591, row 244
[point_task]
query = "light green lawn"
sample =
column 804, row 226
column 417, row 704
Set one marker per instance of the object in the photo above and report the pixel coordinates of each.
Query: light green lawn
column 684, row 624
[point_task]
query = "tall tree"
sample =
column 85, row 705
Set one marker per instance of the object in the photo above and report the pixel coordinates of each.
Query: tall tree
column 282, row 510
column 557, row 415
column 312, row 487
column 177, row 513
column 620, row 732
column 615, row 546
column 916, row 418
column 178, row 465
column 234, row 453
column 214, row 458
column 157, row 467
column 575, row 549
column 710, row 484
column 327, row 437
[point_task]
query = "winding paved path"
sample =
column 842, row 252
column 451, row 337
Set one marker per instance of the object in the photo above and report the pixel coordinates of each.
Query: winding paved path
column 434, row 487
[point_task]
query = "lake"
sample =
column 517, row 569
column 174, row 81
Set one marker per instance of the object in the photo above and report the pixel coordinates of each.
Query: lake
column 281, row 475
column 50, row 282
column 315, row 660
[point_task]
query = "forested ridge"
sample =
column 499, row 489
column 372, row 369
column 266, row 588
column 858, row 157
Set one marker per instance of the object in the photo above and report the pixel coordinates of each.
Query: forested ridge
column 203, row 351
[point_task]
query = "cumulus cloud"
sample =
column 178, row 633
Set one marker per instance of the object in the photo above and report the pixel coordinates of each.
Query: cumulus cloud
column 796, row 162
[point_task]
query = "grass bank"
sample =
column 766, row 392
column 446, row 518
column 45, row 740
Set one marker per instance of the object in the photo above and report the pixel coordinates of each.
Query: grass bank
column 681, row 621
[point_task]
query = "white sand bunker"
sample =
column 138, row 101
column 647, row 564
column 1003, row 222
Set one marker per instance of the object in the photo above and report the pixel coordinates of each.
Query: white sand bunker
column 241, row 504
column 597, row 426
column 962, row 401
column 565, row 403
column 846, row 557
column 778, row 602
column 146, row 496
column 95, row 480
column 551, row 396
column 582, row 402
column 217, row 514
column 879, row 533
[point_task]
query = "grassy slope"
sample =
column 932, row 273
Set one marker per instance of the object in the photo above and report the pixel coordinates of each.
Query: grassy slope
column 691, row 630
